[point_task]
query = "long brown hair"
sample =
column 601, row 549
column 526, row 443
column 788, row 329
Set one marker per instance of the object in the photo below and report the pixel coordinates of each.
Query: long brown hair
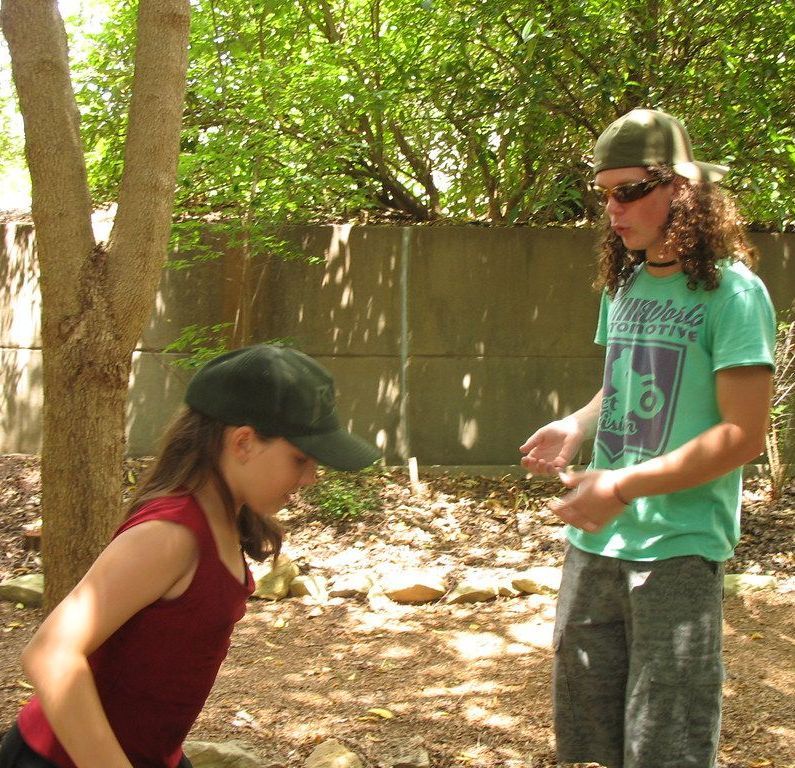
column 703, row 227
column 189, row 457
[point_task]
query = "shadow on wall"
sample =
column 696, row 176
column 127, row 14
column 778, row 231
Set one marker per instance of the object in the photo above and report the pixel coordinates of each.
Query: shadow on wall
column 502, row 342
column 196, row 295
column 153, row 400
column 21, row 376
column 442, row 347
column 449, row 344
column 345, row 309
column 777, row 266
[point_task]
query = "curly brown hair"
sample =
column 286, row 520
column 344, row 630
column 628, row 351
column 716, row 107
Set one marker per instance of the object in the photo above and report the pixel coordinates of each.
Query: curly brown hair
column 703, row 227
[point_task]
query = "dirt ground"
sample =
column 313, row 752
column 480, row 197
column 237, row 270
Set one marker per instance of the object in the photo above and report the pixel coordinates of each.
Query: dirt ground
column 469, row 684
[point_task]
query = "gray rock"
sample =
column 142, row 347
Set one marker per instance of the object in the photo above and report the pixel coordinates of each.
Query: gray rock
column 352, row 585
column 473, row 591
column 227, row 754
column 524, row 523
column 742, row 583
column 333, row 754
column 541, row 580
column 419, row 758
column 27, row 589
column 274, row 584
column 406, row 755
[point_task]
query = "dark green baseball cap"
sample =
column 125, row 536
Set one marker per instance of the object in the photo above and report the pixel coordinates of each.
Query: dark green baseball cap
column 646, row 137
column 280, row 392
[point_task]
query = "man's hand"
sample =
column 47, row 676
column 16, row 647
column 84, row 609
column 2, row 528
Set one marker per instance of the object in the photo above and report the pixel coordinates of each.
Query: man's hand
column 593, row 502
column 552, row 447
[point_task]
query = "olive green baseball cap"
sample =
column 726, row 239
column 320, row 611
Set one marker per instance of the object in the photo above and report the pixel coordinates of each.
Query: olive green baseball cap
column 280, row 392
column 647, row 137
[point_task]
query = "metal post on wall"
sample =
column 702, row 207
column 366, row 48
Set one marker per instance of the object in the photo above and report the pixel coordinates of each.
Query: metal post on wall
column 403, row 430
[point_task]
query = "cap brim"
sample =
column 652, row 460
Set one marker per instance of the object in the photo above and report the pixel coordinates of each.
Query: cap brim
column 698, row 171
column 338, row 450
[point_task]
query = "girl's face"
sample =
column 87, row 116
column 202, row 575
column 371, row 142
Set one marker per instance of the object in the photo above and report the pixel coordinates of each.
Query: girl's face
column 263, row 474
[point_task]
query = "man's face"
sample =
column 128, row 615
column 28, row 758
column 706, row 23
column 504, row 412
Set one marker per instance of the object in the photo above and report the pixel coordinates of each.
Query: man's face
column 641, row 223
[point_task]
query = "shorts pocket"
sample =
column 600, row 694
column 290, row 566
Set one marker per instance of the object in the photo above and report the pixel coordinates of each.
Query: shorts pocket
column 673, row 714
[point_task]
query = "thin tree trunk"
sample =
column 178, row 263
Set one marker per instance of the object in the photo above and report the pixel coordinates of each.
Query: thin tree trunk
column 95, row 299
column 82, row 453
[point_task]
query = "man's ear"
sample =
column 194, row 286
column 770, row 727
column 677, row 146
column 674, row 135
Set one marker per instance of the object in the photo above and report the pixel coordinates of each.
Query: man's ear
column 676, row 185
column 240, row 441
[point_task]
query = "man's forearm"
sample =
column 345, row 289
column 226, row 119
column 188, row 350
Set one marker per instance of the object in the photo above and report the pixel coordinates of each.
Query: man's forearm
column 587, row 417
column 713, row 453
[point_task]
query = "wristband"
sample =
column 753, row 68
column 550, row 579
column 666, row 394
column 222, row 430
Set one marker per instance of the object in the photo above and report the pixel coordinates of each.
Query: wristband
column 618, row 495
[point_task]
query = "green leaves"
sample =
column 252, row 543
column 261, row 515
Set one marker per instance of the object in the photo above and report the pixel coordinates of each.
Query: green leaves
column 457, row 109
column 343, row 496
column 202, row 343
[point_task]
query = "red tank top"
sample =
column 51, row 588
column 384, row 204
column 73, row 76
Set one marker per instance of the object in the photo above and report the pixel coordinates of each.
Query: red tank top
column 155, row 672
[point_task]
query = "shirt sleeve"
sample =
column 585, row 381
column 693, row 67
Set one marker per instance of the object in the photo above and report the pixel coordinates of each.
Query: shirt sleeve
column 601, row 327
column 745, row 330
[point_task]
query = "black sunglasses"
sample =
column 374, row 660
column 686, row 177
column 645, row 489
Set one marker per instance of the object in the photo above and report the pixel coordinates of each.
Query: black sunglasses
column 627, row 193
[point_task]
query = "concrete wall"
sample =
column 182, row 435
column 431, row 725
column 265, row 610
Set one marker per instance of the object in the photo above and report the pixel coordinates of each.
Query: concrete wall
column 450, row 344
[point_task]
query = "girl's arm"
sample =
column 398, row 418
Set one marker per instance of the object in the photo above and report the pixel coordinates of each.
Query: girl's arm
column 146, row 562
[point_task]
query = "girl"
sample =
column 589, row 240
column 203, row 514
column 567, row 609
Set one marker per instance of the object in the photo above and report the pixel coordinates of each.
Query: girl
column 123, row 666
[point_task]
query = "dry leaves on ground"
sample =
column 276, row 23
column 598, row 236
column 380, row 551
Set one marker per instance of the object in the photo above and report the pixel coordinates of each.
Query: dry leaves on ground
column 469, row 683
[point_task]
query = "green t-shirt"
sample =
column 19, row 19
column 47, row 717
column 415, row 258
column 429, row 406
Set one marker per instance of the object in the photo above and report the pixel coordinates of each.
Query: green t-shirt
column 665, row 343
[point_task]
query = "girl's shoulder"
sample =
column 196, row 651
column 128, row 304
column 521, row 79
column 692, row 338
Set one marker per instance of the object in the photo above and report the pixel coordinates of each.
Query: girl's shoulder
column 182, row 509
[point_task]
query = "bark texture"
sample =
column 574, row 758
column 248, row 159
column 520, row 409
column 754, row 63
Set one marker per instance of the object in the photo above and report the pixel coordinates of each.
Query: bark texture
column 96, row 297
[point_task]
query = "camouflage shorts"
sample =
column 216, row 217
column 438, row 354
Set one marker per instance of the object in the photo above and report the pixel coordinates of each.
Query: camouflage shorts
column 637, row 672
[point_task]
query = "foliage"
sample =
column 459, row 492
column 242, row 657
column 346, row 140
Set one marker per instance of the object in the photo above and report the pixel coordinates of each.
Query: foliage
column 193, row 241
column 343, row 496
column 204, row 342
column 458, row 109
column 10, row 145
column 13, row 173
column 201, row 342
column 780, row 439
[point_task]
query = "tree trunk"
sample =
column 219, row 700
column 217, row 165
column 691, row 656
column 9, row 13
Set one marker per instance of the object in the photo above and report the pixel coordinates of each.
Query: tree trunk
column 85, row 388
column 95, row 299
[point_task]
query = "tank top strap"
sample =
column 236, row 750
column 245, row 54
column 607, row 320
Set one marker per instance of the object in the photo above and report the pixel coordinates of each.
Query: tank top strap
column 183, row 510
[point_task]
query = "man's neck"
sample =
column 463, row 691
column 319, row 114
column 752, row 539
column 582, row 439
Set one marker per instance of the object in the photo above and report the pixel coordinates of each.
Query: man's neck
column 657, row 265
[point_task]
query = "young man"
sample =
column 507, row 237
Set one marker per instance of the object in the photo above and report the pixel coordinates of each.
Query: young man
column 689, row 332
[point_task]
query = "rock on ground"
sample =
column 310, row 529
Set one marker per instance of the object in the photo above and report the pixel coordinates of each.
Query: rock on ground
column 333, row 754
column 227, row 754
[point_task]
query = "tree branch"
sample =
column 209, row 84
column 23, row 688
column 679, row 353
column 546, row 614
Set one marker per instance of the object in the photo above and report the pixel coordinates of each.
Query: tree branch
column 61, row 202
column 421, row 167
column 146, row 194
